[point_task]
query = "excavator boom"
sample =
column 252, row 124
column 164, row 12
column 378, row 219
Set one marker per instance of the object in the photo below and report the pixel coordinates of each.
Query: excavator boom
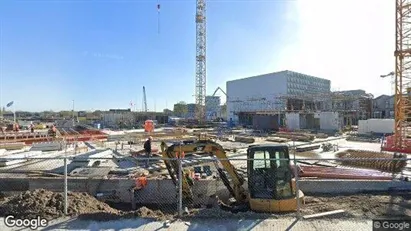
column 214, row 149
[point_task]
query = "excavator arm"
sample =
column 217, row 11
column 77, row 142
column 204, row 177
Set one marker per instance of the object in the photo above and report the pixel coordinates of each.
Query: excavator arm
column 172, row 165
column 235, row 187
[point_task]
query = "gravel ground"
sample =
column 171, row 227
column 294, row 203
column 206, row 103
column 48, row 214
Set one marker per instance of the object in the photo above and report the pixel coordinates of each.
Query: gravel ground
column 361, row 206
column 50, row 205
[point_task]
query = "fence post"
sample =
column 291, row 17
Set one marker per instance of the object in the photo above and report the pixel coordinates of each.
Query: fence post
column 297, row 188
column 180, row 187
column 65, row 187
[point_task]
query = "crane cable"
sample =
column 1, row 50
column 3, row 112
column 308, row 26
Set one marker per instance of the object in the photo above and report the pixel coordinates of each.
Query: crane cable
column 158, row 17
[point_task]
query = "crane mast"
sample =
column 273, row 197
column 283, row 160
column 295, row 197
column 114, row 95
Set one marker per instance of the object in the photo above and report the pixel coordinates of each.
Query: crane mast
column 200, row 84
column 402, row 72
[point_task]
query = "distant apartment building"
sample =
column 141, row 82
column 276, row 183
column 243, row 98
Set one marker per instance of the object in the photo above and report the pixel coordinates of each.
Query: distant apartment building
column 117, row 117
column 213, row 108
column 383, row 107
column 352, row 105
column 191, row 111
column 82, row 114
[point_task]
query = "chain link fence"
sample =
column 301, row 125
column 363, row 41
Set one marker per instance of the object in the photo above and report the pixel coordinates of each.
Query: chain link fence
column 352, row 185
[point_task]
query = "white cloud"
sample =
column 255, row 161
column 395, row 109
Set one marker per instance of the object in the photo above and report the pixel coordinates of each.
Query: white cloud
column 350, row 42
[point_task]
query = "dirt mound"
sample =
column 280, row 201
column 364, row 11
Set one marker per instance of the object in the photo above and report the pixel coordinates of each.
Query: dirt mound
column 50, row 205
column 361, row 205
column 146, row 212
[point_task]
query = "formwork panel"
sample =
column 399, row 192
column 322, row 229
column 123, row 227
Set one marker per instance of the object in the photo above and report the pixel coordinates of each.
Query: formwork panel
column 265, row 122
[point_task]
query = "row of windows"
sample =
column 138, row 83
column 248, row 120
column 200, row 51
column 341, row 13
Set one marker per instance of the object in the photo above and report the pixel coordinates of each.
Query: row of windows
column 309, row 83
column 297, row 76
column 312, row 88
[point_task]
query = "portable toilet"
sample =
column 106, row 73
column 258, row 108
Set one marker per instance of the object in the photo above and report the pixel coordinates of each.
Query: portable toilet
column 148, row 126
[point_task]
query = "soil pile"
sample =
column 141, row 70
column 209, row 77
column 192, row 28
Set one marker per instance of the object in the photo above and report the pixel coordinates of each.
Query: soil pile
column 50, row 205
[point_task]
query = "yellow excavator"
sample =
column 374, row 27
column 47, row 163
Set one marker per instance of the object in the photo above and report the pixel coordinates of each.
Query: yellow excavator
column 271, row 186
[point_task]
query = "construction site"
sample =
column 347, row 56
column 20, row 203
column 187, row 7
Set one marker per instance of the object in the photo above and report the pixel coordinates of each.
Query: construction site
column 296, row 149
column 333, row 174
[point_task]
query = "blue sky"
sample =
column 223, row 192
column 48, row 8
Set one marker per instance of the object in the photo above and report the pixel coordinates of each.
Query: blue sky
column 101, row 53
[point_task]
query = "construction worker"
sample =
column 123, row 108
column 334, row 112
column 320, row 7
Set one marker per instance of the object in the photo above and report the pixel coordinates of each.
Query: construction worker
column 141, row 182
column 147, row 149
column 180, row 155
column 31, row 127
column 189, row 179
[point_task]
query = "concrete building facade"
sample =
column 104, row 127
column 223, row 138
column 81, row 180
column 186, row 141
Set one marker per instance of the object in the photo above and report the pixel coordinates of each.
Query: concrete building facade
column 116, row 117
column 383, row 107
column 353, row 105
column 213, row 107
column 266, row 92
column 191, row 110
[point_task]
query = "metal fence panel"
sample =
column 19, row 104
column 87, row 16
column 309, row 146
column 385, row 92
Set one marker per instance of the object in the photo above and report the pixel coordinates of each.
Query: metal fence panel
column 352, row 186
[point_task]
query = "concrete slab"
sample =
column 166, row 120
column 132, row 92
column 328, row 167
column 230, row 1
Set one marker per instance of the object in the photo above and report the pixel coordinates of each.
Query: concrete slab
column 47, row 146
column 206, row 224
column 90, row 172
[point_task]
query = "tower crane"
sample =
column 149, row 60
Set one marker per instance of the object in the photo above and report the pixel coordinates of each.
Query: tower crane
column 201, row 72
column 402, row 73
column 402, row 80
column 201, row 75
column 391, row 74
column 388, row 75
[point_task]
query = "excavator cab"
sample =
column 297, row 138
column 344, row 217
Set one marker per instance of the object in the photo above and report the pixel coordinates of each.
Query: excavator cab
column 270, row 179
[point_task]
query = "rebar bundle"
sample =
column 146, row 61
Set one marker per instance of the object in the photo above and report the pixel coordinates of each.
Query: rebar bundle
column 390, row 164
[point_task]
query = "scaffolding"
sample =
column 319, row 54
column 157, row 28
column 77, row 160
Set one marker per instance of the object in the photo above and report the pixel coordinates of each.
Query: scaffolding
column 402, row 73
column 350, row 107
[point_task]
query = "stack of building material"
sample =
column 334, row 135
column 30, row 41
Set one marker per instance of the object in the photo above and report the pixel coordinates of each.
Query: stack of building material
column 11, row 159
column 243, row 139
column 342, row 173
column 363, row 139
column 308, row 148
column 12, row 146
column 277, row 139
column 387, row 165
column 92, row 158
column 47, row 146
column 321, row 136
column 90, row 172
column 304, row 137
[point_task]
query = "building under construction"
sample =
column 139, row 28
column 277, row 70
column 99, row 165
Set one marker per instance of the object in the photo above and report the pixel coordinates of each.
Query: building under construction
column 294, row 100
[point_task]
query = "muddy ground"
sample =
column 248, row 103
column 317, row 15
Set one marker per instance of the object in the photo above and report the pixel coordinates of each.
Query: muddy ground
column 50, row 205
column 361, row 206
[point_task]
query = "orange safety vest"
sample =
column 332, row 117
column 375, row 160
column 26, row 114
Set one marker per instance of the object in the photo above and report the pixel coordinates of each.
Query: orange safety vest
column 141, row 182
column 180, row 156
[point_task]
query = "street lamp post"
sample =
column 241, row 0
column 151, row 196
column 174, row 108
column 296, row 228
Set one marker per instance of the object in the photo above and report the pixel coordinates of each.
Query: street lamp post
column 14, row 113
